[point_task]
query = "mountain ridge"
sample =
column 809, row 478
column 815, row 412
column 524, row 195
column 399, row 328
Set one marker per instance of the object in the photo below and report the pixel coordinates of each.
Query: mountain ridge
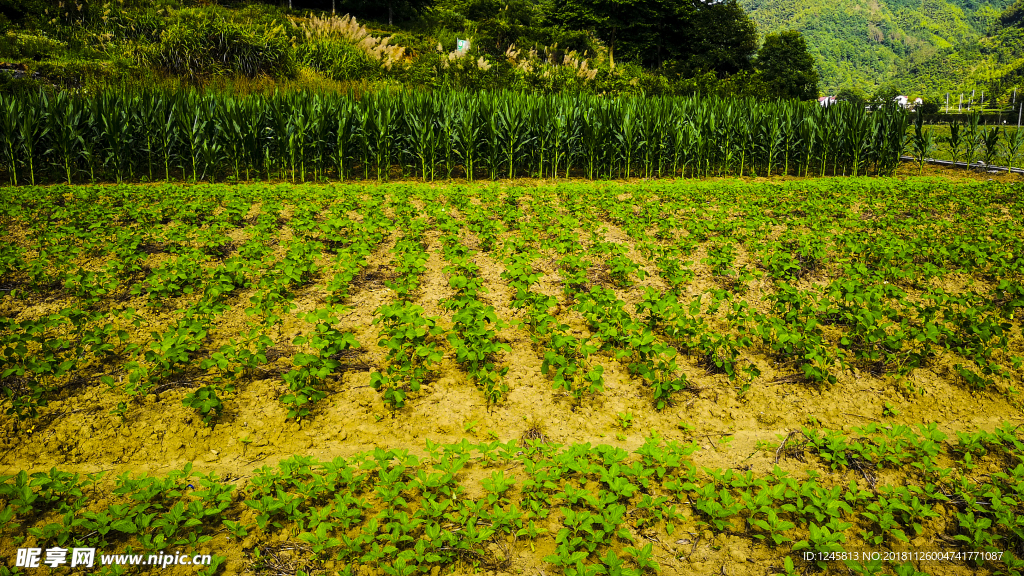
column 869, row 44
column 994, row 63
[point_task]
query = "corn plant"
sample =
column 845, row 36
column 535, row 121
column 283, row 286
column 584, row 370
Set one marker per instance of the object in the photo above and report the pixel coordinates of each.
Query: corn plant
column 9, row 133
column 1013, row 143
column 513, row 130
column 955, row 140
column 116, row 135
column 973, row 132
column 924, row 142
column 990, row 144
column 467, row 134
column 33, row 131
column 125, row 135
column 64, row 126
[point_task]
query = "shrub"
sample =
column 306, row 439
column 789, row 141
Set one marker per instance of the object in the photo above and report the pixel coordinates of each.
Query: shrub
column 202, row 43
column 9, row 84
column 17, row 45
column 344, row 50
column 72, row 73
column 337, row 60
column 26, row 13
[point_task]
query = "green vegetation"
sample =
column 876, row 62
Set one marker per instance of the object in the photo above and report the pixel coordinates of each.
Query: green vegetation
column 869, row 45
column 624, row 47
column 993, row 65
column 156, row 135
column 967, row 140
column 671, row 35
column 209, row 204
column 407, row 514
column 599, row 47
column 787, row 66
column 861, row 318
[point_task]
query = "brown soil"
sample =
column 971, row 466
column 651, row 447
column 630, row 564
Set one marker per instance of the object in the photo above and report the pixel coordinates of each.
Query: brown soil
column 77, row 433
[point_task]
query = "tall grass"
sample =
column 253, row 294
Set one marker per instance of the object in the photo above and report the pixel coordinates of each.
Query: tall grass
column 300, row 136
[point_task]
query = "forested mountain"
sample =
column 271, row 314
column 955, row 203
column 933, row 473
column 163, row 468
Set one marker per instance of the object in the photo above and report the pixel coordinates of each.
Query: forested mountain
column 865, row 44
column 993, row 63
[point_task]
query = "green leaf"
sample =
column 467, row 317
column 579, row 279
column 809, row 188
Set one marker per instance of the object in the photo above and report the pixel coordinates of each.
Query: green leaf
column 125, row 526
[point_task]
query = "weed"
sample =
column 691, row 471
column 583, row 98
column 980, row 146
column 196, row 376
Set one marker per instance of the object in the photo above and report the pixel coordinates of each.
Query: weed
column 625, row 420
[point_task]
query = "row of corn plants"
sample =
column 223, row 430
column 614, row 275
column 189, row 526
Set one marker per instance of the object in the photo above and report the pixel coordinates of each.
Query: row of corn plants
column 967, row 141
column 190, row 135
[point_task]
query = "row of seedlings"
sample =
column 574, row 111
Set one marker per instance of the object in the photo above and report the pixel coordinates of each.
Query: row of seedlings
column 475, row 324
column 629, row 340
column 567, row 356
column 352, row 242
column 412, row 341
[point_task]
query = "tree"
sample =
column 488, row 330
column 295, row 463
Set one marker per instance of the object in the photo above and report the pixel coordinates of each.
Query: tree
column 884, row 96
column 855, row 96
column 687, row 35
column 716, row 37
column 930, row 106
column 607, row 19
column 1013, row 16
column 407, row 5
column 378, row 9
column 787, row 67
column 501, row 23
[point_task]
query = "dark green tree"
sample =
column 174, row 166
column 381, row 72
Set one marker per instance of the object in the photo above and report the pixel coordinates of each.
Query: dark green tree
column 1013, row 16
column 685, row 35
column 787, row 67
column 501, row 23
column 930, row 106
column 884, row 96
column 855, row 96
column 380, row 9
column 609, row 20
column 407, row 6
column 716, row 37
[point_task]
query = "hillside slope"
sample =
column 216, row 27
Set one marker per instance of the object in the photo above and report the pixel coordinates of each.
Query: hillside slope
column 993, row 63
column 866, row 43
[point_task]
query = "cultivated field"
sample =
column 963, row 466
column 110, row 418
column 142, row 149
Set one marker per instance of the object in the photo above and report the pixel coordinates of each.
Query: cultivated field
column 969, row 142
column 666, row 377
